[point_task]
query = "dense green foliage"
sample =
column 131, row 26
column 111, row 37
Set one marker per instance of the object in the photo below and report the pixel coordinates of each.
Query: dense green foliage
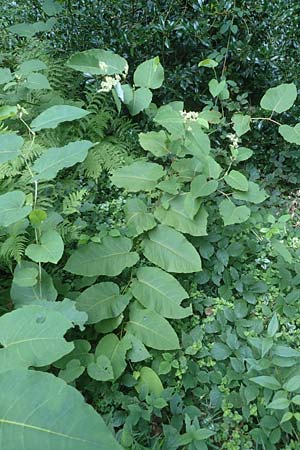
column 149, row 257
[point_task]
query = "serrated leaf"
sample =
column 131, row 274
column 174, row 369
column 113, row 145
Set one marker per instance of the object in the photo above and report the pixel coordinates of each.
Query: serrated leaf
column 280, row 98
column 97, row 62
column 109, row 258
column 171, row 251
column 149, row 74
column 241, row 123
column 290, row 134
column 35, row 420
column 49, row 249
column 237, row 180
column 12, row 208
column 55, row 159
column 102, row 301
column 232, row 214
column 32, row 336
column 10, row 146
column 161, row 292
column 152, row 329
column 53, row 116
column 139, row 176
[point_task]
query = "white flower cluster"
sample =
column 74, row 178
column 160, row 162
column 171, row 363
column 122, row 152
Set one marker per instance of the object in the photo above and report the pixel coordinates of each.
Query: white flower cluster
column 189, row 115
column 109, row 82
column 233, row 139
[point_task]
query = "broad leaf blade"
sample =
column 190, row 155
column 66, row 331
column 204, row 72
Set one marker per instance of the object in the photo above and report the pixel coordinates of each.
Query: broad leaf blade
column 55, row 115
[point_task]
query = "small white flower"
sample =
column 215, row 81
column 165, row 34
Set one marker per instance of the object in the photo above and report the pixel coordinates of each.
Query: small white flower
column 103, row 66
column 190, row 115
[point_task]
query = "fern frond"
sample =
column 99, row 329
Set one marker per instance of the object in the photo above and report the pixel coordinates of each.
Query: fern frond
column 13, row 248
column 107, row 155
column 68, row 231
column 74, row 200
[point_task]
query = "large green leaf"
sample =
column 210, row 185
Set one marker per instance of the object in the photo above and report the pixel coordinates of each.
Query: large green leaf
column 55, row 159
column 154, row 142
column 30, row 295
column 39, row 410
column 37, row 81
column 137, row 218
column 280, row 98
column 152, row 329
column 32, row 336
column 253, row 195
column 237, row 180
column 149, row 74
column 197, row 142
column 141, row 99
column 55, row 115
column 177, row 217
column 290, row 134
column 232, row 214
column 5, row 76
column 170, row 119
column 241, row 124
column 115, row 350
column 109, row 258
column 10, row 146
column 50, row 248
column 12, row 208
column 97, row 62
column 171, row 251
column 31, row 65
column 161, row 292
column 201, row 187
column 139, row 176
column 102, row 301
column 67, row 308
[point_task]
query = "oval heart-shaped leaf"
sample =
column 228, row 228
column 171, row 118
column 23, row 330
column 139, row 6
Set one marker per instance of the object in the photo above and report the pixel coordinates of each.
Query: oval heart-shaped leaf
column 171, row 251
column 12, row 209
column 49, row 412
column 139, row 176
column 98, row 62
column 50, row 248
column 10, row 146
column 280, row 98
column 149, row 74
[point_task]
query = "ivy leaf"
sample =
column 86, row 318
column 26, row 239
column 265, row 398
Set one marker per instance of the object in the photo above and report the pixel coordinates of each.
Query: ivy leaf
column 141, row 100
column 32, row 336
column 53, row 116
column 241, row 124
column 37, row 81
column 280, row 98
column 50, row 248
column 39, row 406
column 97, row 62
column 149, row 74
column 290, row 134
column 152, row 329
column 161, row 292
column 55, row 159
column 109, row 258
column 10, row 146
column 253, row 195
column 101, row 369
column 12, row 209
column 237, row 180
column 215, row 87
column 154, row 142
column 267, row 381
column 139, row 176
column 115, row 350
column 232, row 214
column 102, row 301
column 171, row 251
